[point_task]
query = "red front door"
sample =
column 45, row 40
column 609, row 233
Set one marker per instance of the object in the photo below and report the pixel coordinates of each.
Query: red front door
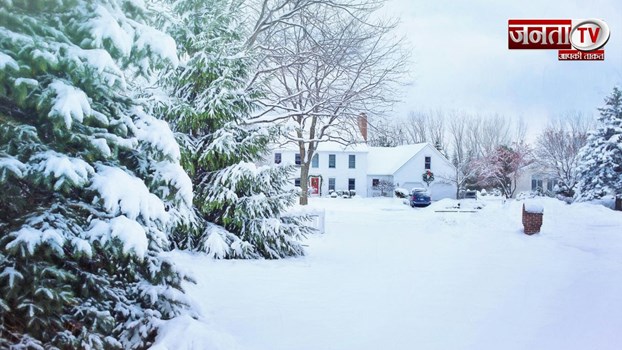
column 315, row 185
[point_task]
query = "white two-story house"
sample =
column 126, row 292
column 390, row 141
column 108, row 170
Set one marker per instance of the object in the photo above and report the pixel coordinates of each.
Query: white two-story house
column 333, row 167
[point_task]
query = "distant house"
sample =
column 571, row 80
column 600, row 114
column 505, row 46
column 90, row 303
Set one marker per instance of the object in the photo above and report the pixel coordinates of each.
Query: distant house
column 360, row 168
column 536, row 178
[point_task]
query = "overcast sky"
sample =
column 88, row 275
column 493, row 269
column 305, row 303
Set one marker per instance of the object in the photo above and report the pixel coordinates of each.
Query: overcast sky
column 461, row 60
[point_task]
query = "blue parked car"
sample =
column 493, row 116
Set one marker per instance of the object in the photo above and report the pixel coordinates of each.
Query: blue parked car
column 419, row 197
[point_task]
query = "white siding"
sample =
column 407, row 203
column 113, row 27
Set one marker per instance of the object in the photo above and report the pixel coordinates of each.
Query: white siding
column 440, row 190
column 523, row 183
column 342, row 173
column 410, row 173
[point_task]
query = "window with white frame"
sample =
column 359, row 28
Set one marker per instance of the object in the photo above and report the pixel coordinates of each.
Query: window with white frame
column 332, row 161
column 536, row 184
column 331, row 183
column 315, row 161
column 351, row 184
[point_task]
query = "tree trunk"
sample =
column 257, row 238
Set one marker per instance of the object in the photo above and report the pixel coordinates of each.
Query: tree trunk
column 304, row 183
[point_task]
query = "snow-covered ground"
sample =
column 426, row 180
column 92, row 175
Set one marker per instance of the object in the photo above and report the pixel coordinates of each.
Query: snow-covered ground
column 387, row 276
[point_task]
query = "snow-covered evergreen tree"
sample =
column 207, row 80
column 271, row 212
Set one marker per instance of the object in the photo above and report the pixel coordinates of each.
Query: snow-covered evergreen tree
column 241, row 204
column 91, row 184
column 600, row 160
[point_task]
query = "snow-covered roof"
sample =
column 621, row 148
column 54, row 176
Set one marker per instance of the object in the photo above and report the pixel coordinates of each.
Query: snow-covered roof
column 328, row 146
column 387, row 160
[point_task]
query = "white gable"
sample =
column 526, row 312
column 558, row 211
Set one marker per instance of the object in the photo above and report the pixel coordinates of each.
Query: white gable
column 387, row 160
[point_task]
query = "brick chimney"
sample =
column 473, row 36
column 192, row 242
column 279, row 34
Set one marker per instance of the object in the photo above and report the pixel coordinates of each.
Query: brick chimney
column 362, row 123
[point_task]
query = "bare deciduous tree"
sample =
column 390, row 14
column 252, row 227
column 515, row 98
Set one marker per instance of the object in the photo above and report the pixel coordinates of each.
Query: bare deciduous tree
column 324, row 65
column 416, row 127
column 383, row 133
column 461, row 156
column 558, row 146
column 426, row 127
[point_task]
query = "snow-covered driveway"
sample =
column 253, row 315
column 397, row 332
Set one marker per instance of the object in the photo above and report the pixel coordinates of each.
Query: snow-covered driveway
column 386, row 276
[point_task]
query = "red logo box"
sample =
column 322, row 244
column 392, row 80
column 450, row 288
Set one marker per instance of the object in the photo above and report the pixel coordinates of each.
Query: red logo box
column 539, row 34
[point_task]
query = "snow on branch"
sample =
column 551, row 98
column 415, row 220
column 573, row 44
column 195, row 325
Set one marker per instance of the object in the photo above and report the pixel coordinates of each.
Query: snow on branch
column 69, row 104
column 123, row 193
column 104, row 29
column 130, row 233
column 11, row 165
column 30, row 237
column 7, row 62
column 157, row 133
column 67, row 171
column 152, row 40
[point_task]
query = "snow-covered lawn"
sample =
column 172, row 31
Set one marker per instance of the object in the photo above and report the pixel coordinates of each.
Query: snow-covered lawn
column 386, row 276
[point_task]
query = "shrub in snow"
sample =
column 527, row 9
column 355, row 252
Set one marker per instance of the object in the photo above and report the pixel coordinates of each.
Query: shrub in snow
column 91, row 184
column 385, row 187
column 210, row 105
column 567, row 200
column 600, row 160
column 527, row 194
column 401, row 192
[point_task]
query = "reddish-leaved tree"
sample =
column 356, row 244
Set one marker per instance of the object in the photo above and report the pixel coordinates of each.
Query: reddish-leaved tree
column 503, row 167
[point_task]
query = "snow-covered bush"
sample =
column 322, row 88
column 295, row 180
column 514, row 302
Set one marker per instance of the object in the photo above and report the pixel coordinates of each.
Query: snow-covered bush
column 567, row 200
column 401, row 192
column 527, row 195
column 91, row 184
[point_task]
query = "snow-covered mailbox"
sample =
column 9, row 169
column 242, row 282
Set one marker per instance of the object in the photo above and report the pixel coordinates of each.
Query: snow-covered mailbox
column 532, row 217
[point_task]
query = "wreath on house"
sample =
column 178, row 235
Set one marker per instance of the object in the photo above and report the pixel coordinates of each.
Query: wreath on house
column 428, row 177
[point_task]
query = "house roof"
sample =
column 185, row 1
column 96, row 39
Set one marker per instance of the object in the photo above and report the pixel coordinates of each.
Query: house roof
column 328, row 146
column 387, row 160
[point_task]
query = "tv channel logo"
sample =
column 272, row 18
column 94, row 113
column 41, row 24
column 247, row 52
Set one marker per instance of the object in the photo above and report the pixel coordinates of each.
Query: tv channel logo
column 576, row 39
